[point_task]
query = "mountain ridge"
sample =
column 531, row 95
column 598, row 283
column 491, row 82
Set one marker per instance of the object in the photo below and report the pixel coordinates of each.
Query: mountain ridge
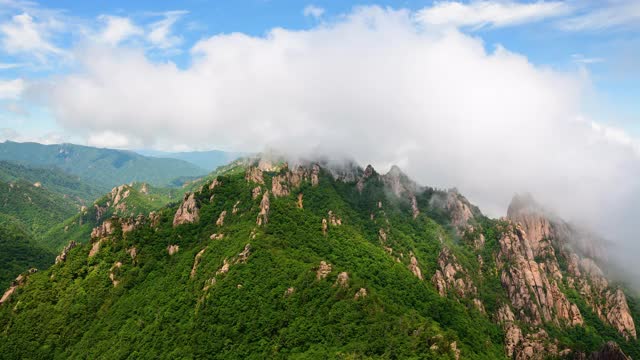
column 252, row 246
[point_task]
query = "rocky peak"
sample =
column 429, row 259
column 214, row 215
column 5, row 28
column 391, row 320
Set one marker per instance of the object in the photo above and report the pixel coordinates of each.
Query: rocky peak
column 399, row 182
column 263, row 215
column 188, row 212
column 533, row 220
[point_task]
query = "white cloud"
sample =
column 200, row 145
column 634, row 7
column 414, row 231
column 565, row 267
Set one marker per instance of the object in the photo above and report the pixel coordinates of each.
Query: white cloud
column 581, row 59
column 23, row 35
column 7, row 66
column 11, row 89
column 118, row 29
column 313, row 11
column 111, row 139
column 493, row 13
column 160, row 34
column 610, row 14
column 383, row 89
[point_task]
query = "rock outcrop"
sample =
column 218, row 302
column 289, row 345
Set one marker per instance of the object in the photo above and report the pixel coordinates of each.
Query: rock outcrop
column 531, row 286
column 254, row 175
column 414, row 267
column 15, row 284
column 323, row 270
column 112, row 273
column 65, row 252
column 451, row 275
column 263, row 215
column 188, row 212
column 173, row 249
column 221, row 217
column 196, row 262
column 342, row 280
column 361, row 294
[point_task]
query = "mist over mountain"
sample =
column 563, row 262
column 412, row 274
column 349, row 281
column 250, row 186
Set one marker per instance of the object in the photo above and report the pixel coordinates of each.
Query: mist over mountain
column 208, row 160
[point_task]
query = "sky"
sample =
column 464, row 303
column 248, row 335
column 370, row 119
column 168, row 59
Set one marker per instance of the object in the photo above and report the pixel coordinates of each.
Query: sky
column 493, row 97
column 42, row 42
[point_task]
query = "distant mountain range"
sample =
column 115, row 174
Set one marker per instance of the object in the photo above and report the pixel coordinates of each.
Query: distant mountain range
column 208, row 160
column 101, row 168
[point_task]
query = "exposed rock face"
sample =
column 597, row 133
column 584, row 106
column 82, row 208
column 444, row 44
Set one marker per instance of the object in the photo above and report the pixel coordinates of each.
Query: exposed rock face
column 618, row 314
column 103, row 230
column 145, row 189
column 225, row 267
column 100, row 211
column 118, row 194
column 154, row 219
column 531, row 286
column 112, row 274
column 361, row 294
column 343, row 279
column 324, row 226
column 415, row 268
column 65, row 252
column 299, row 203
column 19, row 281
column 196, row 262
column 254, row 175
column 451, row 275
column 525, row 212
column 263, row 215
column 235, row 207
column 382, row 235
column 244, row 255
column 256, row 192
column 289, row 291
column 95, row 248
column 315, row 172
column 523, row 347
column 583, row 273
column 188, row 212
column 173, row 249
column 220, row 220
column 323, row 270
column 216, row 236
column 414, row 207
column 280, row 186
column 333, row 219
column 368, row 172
column 214, row 183
column 133, row 252
column 459, row 210
column 610, row 351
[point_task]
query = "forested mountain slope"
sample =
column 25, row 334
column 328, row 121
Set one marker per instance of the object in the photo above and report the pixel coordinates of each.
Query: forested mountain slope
column 267, row 260
column 101, row 168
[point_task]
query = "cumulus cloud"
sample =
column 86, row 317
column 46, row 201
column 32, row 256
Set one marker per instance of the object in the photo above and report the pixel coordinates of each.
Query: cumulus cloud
column 380, row 87
column 118, row 29
column 313, row 11
column 493, row 13
column 24, row 35
column 11, row 89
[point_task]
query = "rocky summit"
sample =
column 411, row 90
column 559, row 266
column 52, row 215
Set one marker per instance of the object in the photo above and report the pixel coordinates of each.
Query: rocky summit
column 269, row 259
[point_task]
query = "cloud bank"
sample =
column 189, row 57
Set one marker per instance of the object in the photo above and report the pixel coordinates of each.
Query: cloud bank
column 383, row 88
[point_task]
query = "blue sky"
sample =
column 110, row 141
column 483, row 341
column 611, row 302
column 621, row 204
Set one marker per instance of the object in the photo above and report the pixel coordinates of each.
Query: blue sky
column 599, row 39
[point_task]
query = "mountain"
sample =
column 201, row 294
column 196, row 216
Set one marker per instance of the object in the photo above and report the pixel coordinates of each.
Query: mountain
column 128, row 200
column 18, row 251
column 52, row 179
column 267, row 260
column 208, row 160
column 101, row 168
